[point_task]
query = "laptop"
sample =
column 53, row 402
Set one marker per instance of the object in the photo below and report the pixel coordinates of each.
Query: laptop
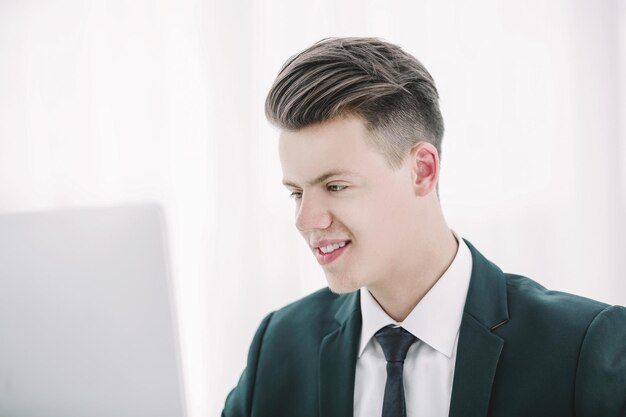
column 87, row 323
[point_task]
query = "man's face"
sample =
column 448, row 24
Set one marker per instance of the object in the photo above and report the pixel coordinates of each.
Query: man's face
column 355, row 212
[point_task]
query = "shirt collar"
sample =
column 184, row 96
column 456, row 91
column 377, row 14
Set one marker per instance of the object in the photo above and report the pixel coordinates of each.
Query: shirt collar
column 436, row 319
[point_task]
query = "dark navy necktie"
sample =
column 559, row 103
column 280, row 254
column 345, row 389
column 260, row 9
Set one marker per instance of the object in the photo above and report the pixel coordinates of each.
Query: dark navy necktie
column 395, row 343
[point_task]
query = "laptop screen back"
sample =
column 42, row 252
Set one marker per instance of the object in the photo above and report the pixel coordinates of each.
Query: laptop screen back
column 86, row 315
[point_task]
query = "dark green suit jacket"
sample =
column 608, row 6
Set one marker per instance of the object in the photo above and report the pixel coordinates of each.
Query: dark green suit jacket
column 522, row 351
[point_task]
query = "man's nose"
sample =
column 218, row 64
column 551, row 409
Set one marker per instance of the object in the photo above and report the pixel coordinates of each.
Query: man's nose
column 312, row 214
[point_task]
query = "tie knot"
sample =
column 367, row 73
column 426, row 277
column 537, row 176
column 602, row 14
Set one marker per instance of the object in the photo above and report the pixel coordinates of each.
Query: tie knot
column 395, row 342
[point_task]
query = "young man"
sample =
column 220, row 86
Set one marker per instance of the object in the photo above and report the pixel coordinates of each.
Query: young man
column 415, row 322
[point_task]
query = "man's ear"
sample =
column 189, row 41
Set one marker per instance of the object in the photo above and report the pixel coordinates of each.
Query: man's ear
column 424, row 160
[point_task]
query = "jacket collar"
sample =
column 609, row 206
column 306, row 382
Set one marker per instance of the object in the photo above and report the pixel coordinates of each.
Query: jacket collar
column 351, row 304
column 478, row 350
column 338, row 353
column 486, row 297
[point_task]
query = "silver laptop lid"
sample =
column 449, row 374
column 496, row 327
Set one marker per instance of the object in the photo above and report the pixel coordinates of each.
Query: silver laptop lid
column 87, row 325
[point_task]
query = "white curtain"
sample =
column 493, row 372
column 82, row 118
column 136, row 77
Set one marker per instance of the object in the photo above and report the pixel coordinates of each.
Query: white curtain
column 118, row 101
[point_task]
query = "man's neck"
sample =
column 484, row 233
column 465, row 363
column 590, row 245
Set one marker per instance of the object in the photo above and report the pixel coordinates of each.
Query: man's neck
column 398, row 297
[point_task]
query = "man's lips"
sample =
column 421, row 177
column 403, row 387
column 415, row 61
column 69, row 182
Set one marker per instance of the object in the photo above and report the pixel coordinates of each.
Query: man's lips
column 327, row 258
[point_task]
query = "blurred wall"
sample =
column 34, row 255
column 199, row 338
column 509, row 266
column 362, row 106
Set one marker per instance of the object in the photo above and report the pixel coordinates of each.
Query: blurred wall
column 121, row 101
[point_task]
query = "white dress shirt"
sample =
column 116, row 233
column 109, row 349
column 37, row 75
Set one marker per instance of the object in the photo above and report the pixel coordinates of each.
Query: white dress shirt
column 429, row 364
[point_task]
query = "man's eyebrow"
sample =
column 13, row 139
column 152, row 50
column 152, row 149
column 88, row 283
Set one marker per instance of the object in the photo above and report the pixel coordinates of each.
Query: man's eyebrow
column 319, row 179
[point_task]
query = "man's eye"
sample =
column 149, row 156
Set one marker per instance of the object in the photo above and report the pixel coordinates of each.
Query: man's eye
column 337, row 187
column 296, row 195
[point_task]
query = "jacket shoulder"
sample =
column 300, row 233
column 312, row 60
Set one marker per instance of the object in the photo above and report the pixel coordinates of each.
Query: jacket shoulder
column 531, row 291
column 282, row 358
column 538, row 306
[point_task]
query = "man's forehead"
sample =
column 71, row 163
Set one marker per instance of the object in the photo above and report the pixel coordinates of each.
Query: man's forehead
column 315, row 153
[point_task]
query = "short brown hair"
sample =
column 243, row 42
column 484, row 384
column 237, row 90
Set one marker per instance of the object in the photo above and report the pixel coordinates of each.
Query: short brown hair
column 389, row 89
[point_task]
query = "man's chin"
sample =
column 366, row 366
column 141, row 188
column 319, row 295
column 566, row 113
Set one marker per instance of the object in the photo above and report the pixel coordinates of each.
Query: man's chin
column 342, row 286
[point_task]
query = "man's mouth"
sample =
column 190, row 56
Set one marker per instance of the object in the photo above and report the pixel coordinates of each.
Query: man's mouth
column 331, row 248
column 328, row 253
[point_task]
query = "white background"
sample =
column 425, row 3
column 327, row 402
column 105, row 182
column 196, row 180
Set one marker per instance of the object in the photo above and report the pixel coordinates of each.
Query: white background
column 119, row 101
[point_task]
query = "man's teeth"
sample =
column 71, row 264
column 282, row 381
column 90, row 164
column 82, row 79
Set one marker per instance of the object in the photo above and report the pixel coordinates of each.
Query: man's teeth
column 331, row 248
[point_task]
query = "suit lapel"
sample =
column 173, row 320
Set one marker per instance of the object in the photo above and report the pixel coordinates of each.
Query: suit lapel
column 477, row 357
column 478, row 349
column 338, row 352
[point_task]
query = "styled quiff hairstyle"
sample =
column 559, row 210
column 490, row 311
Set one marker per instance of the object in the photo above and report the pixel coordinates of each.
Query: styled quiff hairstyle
column 387, row 88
